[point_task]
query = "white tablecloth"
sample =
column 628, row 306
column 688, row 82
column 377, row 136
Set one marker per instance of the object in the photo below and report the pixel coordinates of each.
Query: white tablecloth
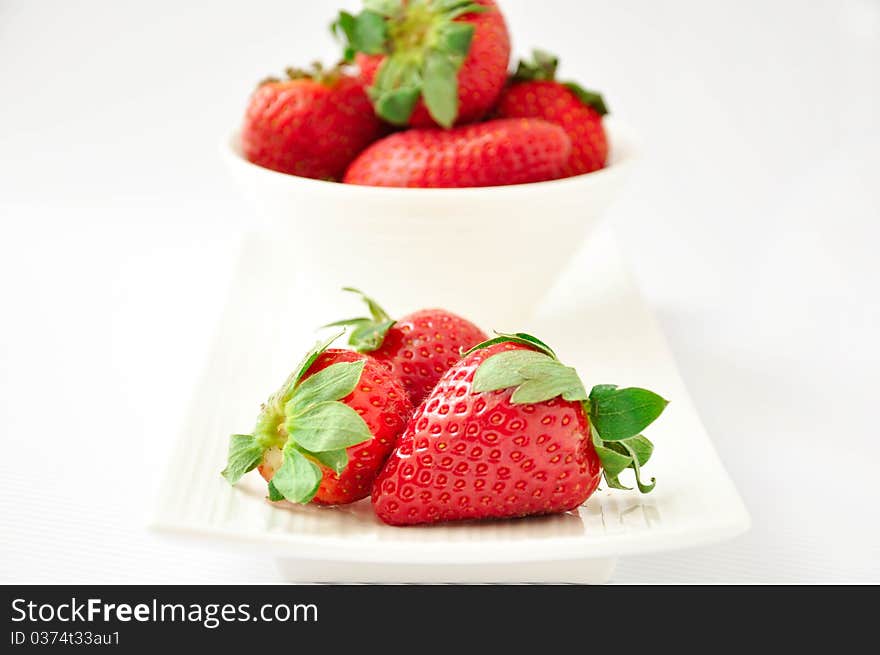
column 752, row 227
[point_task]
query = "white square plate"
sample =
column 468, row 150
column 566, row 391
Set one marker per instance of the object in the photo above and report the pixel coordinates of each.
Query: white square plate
column 595, row 320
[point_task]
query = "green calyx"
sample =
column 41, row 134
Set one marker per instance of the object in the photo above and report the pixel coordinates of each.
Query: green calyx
column 368, row 332
column 315, row 72
column 424, row 48
column 307, row 422
column 542, row 67
column 617, row 416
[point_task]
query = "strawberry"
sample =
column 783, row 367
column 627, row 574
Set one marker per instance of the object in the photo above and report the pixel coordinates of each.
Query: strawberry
column 429, row 62
column 312, row 124
column 325, row 434
column 534, row 93
column 510, row 431
column 417, row 348
column 494, row 153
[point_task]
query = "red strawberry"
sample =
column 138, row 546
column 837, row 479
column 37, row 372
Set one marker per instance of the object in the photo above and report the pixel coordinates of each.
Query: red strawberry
column 495, row 153
column 325, row 434
column 430, row 62
column 534, row 93
column 312, row 125
column 417, row 348
column 510, row 431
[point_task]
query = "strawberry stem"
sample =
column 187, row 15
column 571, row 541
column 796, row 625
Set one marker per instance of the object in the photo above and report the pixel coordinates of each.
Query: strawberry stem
column 368, row 333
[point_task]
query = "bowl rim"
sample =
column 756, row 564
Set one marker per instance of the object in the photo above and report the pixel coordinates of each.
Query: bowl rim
column 624, row 151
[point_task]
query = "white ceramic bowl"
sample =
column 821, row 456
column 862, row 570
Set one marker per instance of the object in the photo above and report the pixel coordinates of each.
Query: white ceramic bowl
column 488, row 253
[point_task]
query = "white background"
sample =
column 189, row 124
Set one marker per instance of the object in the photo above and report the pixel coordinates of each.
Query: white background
column 752, row 226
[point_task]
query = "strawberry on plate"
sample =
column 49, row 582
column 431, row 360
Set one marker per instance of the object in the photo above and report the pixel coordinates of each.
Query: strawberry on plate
column 312, row 124
column 429, row 62
column 510, row 431
column 535, row 93
column 324, row 435
column 417, row 348
column 494, row 153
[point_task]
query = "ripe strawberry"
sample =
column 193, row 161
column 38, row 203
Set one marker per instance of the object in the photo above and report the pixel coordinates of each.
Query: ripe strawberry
column 510, row 431
column 495, row 153
column 417, row 348
column 325, row 434
column 429, row 62
column 534, row 93
column 312, row 124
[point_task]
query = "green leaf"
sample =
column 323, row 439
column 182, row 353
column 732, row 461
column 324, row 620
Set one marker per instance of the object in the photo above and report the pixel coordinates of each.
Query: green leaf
column 576, row 391
column 486, row 344
column 534, row 341
column 614, row 483
column 349, row 322
column 613, row 462
column 452, row 9
column 644, row 488
column 535, row 375
column 365, row 32
column 519, row 337
column 617, row 456
column 601, row 391
column 538, row 376
column 328, row 426
column 368, row 333
column 542, row 66
column 569, row 382
column 456, row 38
column 303, row 367
column 344, row 23
column 545, row 61
column 336, row 460
column 274, row 494
column 387, row 8
column 396, row 89
column 332, row 383
column 344, row 26
column 369, row 337
column 639, row 445
column 624, row 413
column 440, row 87
column 376, row 310
column 298, row 478
column 546, row 380
column 503, row 370
column 590, row 98
column 245, row 454
column 397, row 106
column 369, row 33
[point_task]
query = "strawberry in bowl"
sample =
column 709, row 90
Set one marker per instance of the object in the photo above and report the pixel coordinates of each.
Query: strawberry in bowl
column 423, row 168
column 494, row 153
column 429, row 63
column 312, row 124
column 534, row 92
